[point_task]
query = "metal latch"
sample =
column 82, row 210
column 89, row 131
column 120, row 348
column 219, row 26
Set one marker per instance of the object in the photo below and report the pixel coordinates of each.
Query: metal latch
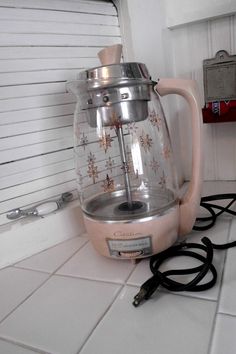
column 41, row 209
column 220, row 77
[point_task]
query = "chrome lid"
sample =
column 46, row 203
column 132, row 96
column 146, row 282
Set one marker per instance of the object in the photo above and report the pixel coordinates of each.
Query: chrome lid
column 115, row 75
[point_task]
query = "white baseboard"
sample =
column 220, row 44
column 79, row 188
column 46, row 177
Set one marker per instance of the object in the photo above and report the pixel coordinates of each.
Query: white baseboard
column 28, row 236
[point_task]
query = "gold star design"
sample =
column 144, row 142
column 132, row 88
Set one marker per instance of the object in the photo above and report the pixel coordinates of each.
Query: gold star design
column 131, row 128
column 155, row 119
column 92, row 172
column 92, row 169
column 109, row 164
column 84, row 140
column 146, row 141
column 105, row 141
column 91, row 158
column 108, row 185
column 154, row 165
column 166, row 152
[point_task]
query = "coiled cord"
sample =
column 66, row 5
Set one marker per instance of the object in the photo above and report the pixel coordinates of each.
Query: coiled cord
column 163, row 278
column 210, row 208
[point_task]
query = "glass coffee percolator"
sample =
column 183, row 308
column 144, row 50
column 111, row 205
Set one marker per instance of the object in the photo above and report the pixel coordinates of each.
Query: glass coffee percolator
column 125, row 170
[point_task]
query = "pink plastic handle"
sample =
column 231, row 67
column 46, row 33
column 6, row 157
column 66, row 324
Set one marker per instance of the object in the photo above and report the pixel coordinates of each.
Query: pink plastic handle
column 189, row 204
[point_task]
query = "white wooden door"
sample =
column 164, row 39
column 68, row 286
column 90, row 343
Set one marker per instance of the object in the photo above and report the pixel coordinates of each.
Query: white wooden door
column 44, row 43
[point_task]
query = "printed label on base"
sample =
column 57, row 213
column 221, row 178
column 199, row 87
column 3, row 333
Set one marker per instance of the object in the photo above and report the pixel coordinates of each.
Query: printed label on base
column 142, row 245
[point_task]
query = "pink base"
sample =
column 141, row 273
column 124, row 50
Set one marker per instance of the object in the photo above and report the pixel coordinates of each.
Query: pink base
column 163, row 231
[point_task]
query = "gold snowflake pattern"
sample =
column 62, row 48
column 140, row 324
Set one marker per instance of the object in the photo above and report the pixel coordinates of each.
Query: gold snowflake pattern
column 109, row 164
column 166, row 152
column 108, row 184
column 105, row 141
column 154, row 119
column 91, row 158
column 154, row 165
column 93, row 172
column 92, row 169
column 131, row 128
column 162, row 182
column 146, row 141
column 84, row 140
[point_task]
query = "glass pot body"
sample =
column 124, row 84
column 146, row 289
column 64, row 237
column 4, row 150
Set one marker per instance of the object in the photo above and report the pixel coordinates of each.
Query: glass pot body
column 124, row 163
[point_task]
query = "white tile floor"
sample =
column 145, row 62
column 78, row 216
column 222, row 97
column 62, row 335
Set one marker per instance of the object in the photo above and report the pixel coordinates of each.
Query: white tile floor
column 70, row 300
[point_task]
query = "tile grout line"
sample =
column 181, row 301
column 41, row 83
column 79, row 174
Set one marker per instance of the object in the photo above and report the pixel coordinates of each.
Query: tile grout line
column 101, row 318
column 219, row 295
column 30, row 294
column 185, row 294
column 89, row 279
column 27, row 297
column 71, row 256
column 108, row 308
column 30, row 269
column 182, row 294
column 122, row 285
column 24, row 346
column 48, row 272
column 49, row 277
column 132, row 271
column 47, row 249
column 227, row 314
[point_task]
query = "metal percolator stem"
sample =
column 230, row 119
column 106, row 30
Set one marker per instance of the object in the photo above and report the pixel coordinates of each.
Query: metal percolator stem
column 125, row 167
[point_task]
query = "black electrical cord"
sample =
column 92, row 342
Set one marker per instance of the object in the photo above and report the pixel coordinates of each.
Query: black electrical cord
column 210, row 208
column 163, row 278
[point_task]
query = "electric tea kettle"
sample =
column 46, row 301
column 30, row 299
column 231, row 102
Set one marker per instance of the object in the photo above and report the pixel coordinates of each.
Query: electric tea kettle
column 124, row 164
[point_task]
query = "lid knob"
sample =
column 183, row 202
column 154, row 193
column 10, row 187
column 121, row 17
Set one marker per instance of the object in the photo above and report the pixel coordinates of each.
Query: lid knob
column 110, row 55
